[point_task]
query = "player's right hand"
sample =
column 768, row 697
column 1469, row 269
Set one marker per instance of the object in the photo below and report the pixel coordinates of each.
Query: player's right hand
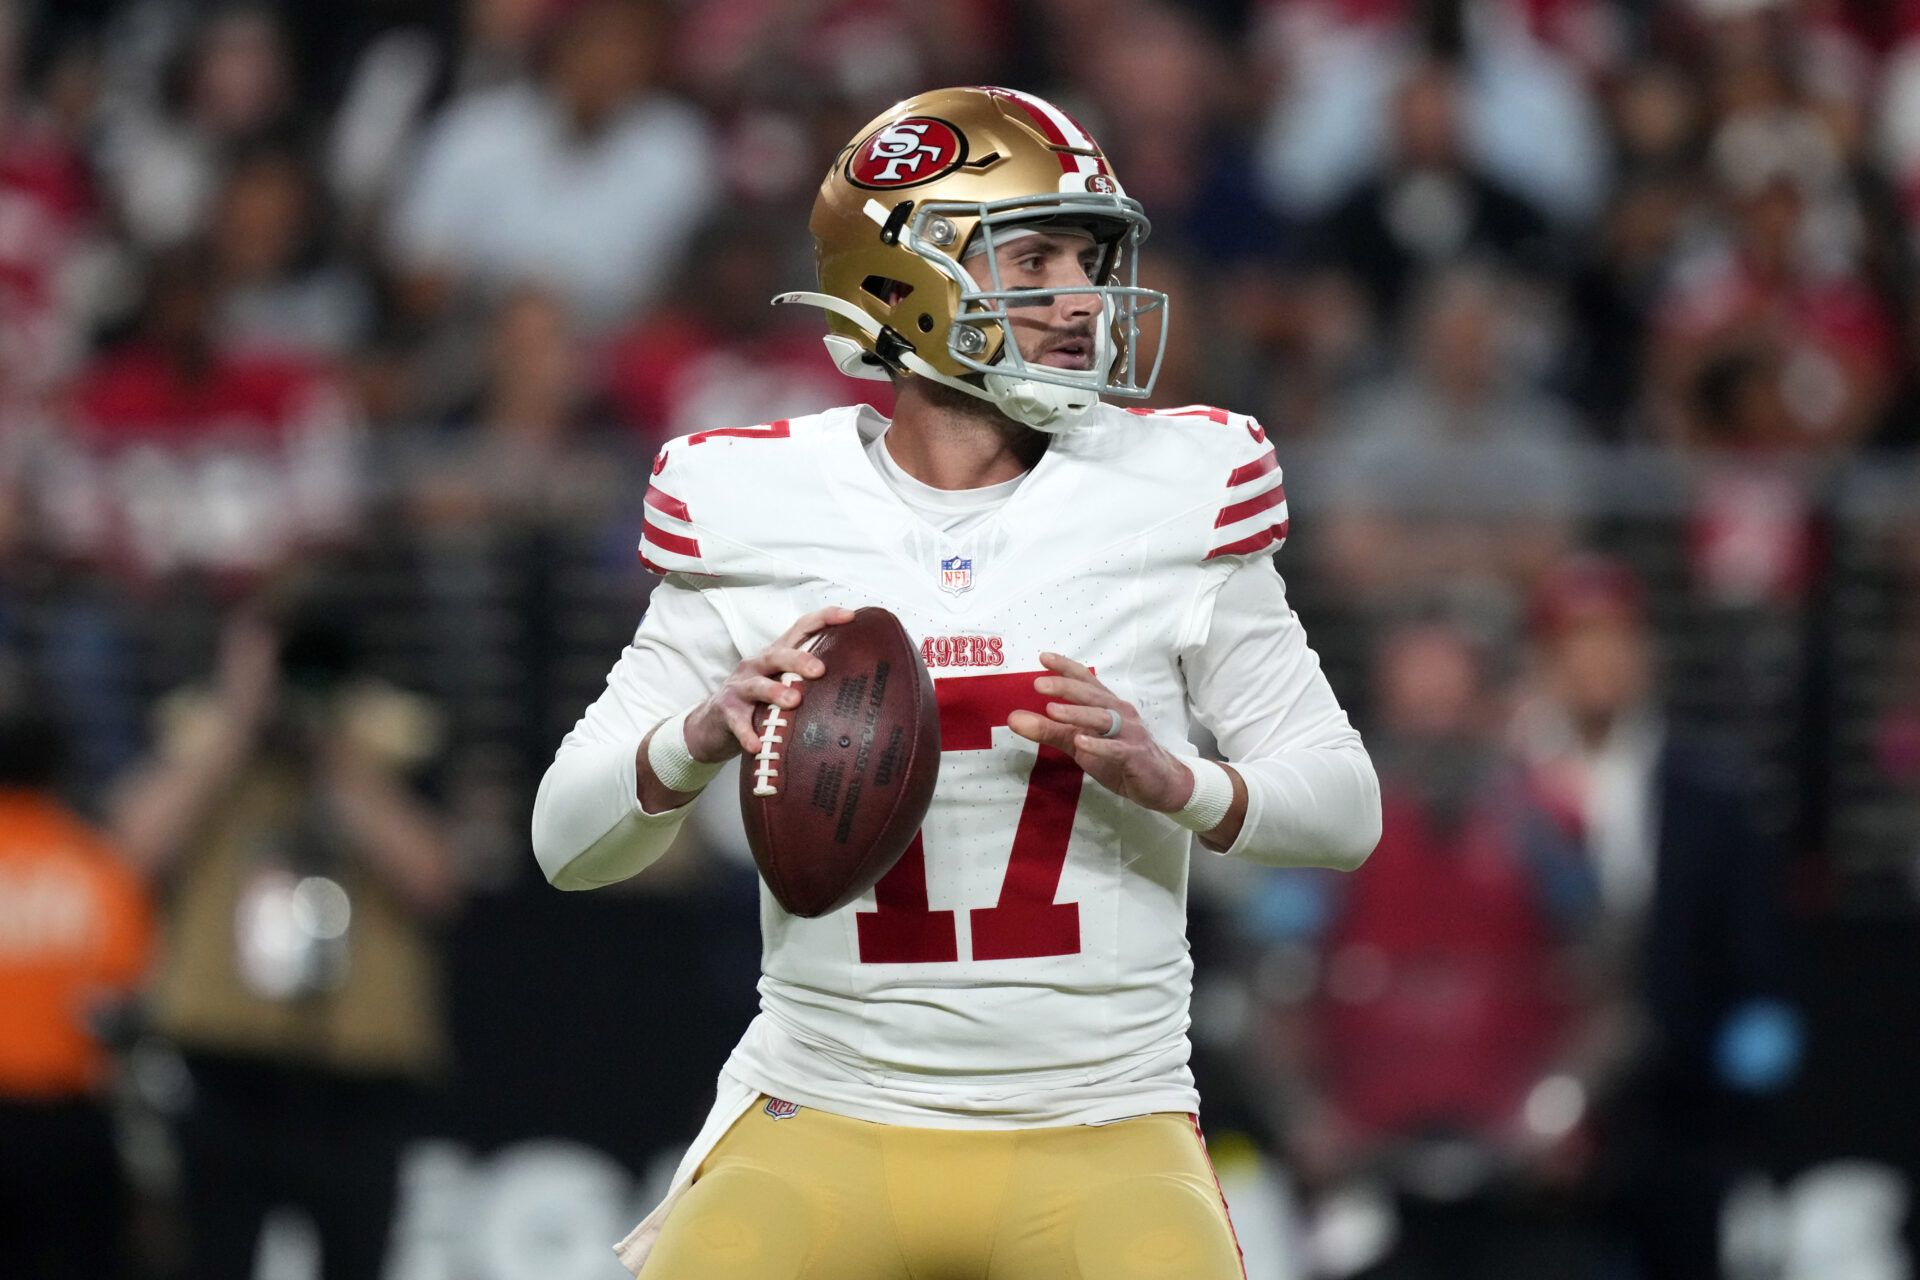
column 722, row 725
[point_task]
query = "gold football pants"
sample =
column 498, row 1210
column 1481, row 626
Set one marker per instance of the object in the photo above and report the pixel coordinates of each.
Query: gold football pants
column 815, row 1196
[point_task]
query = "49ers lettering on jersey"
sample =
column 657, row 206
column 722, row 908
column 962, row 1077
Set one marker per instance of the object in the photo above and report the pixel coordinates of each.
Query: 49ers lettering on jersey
column 1033, row 933
column 963, row 651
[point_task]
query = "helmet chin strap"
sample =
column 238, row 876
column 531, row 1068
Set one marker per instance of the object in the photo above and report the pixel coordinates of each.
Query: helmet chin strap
column 1043, row 406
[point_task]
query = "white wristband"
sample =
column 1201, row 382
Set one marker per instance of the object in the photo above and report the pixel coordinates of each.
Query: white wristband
column 673, row 765
column 1212, row 796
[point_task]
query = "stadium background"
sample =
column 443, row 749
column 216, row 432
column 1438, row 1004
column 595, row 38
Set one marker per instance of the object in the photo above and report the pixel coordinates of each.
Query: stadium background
column 366, row 317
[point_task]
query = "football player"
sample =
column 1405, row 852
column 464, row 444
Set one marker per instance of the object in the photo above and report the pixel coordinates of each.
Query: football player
column 979, row 1069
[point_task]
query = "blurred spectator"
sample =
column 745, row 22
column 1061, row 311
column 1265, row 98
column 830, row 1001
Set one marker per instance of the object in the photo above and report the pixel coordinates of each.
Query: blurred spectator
column 229, row 84
column 521, row 450
column 1752, row 540
column 1515, row 109
column 1161, row 109
column 74, row 938
column 590, row 179
column 1582, row 28
column 498, row 41
column 300, row 980
column 1899, row 140
column 1784, row 268
column 1439, row 1045
column 1613, row 295
column 1809, row 66
column 1428, row 204
column 68, row 634
column 1693, row 900
column 181, row 454
column 49, row 213
column 786, row 84
column 1657, row 116
column 284, row 293
column 718, row 354
column 1452, row 468
column 397, row 77
column 1761, row 55
column 1657, row 203
column 734, row 52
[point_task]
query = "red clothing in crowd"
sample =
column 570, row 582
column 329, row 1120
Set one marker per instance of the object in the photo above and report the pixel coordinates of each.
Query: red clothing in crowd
column 227, row 468
column 1442, row 1004
column 46, row 206
column 1545, row 18
column 672, row 375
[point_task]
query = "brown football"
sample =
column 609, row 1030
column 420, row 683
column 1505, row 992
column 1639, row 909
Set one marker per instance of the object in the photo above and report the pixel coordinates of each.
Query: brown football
column 843, row 781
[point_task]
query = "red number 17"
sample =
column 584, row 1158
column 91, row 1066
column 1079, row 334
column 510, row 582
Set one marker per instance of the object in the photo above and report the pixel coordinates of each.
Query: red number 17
column 1026, row 922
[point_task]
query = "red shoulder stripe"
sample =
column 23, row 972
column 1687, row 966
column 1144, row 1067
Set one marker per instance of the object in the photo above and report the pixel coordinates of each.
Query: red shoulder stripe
column 1254, row 470
column 673, row 542
column 1252, row 506
column 1207, row 411
column 772, row 431
column 666, row 502
column 1253, row 542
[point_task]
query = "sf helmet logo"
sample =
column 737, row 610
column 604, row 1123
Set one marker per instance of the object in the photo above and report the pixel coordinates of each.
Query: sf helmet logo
column 905, row 153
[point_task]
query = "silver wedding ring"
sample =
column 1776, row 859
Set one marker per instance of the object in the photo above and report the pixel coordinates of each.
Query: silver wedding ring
column 1113, row 724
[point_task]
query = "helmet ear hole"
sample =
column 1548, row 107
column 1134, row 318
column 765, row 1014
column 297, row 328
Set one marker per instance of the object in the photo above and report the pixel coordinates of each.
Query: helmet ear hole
column 925, row 322
column 887, row 290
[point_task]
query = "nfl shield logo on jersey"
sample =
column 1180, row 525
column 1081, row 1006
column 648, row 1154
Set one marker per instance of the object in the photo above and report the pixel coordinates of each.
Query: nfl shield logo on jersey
column 956, row 574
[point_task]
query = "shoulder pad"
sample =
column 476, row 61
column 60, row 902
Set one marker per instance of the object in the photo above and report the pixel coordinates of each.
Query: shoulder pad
column 709, row 492
column 668, row 541
column 678, row 495
column 1241, row 467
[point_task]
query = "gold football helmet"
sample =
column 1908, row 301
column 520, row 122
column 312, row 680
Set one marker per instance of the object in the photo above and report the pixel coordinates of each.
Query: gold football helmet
column 909, row 214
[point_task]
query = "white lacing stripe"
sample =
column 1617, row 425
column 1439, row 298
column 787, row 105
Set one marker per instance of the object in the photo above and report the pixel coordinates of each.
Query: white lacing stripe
column 670, row 523
column 766, row 764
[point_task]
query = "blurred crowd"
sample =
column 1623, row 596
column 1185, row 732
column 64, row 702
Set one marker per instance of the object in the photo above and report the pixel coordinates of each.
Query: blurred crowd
column 333, row 338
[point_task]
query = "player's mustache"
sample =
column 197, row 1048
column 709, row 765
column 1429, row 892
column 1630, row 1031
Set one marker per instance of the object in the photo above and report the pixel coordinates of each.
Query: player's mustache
column 1082, row 333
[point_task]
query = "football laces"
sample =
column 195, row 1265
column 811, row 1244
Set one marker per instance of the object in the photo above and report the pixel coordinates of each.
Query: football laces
column 766, row 762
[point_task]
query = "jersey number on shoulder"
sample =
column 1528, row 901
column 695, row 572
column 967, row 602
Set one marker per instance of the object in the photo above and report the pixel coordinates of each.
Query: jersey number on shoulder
column 1221, row 416
column 1026, row 922
column 770, row 431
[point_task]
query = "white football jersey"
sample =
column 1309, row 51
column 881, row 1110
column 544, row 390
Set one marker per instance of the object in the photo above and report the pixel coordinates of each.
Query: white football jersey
column 1026, row 961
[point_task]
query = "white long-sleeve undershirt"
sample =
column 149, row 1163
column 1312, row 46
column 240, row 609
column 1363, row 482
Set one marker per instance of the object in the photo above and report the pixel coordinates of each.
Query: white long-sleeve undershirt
column 1255, row 684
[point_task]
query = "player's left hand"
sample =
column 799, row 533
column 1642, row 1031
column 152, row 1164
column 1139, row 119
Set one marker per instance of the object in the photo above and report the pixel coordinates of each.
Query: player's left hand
column 1130, row 764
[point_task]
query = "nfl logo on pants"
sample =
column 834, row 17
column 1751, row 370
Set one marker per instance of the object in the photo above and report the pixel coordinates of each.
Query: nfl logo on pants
column 956, row 574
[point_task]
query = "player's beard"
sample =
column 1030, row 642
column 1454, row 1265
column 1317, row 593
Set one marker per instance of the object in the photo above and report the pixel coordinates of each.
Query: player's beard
column 958, row 416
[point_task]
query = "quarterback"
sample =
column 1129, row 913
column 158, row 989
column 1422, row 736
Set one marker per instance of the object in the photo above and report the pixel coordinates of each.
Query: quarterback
column 980, row 1068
